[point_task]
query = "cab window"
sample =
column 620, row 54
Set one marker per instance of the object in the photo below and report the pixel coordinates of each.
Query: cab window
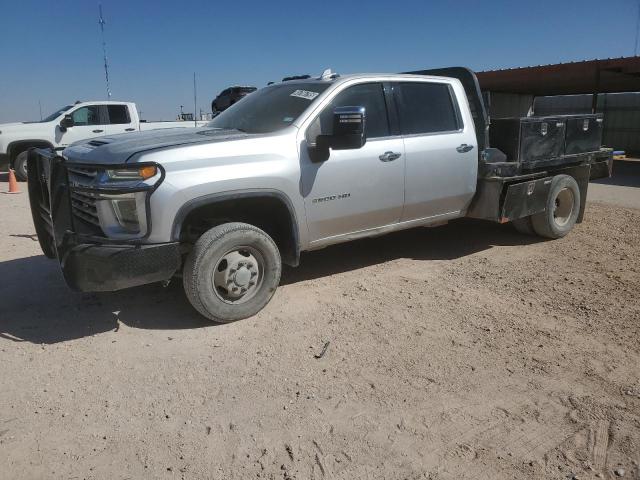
column 118, row 114
column 426, row 108
column 367, row 95
column 86, row 116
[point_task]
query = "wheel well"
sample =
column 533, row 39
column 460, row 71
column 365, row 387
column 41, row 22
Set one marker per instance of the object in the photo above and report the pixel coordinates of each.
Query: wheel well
column 16, row 148
column 269, row 213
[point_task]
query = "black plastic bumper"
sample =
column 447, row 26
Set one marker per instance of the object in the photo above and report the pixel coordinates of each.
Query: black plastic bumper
column 105, row 268
column 4, row 160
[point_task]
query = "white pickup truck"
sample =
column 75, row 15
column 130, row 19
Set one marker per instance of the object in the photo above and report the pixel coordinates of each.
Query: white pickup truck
column 69, row 124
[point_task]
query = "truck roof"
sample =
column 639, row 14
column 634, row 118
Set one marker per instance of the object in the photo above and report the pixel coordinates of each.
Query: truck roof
column 105, row 102
column 381, row 76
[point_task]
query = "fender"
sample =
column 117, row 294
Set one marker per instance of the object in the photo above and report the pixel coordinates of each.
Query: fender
column 37, row 143
column 213, row 198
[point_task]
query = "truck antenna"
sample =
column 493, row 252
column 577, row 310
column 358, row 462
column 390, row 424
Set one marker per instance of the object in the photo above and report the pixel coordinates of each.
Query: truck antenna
column 101, row 22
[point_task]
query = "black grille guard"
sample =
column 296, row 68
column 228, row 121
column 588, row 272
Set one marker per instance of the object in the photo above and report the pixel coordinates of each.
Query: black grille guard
column 50, row 202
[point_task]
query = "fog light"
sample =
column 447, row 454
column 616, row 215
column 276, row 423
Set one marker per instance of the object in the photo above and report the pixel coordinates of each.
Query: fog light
column 123, row 215
column 126, row 214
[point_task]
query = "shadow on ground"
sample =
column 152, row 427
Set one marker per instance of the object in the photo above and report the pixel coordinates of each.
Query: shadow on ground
column 626, row 173
column 36, row 306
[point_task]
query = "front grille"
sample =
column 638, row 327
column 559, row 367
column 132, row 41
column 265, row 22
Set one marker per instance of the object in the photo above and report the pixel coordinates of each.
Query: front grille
column 83, row 205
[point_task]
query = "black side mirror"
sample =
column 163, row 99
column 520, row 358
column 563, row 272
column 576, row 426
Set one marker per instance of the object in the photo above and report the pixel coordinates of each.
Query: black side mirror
column 348, row 133
column 66, row 122
column 348, row 128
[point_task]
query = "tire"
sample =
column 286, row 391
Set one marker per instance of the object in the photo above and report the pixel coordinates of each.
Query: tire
column 232, row 255
column 20, row 166
column 562, row 208
column 524, row 226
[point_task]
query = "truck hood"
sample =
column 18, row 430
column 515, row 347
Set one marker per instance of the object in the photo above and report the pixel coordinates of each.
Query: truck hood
column 118, row 149
column 19, row 126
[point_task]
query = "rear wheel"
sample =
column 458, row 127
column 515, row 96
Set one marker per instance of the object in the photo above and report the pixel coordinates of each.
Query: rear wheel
column 232, row 272
column 20, row 166
column 562, row 208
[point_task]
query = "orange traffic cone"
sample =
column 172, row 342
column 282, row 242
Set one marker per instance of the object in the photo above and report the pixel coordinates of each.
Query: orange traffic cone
column 13, row 184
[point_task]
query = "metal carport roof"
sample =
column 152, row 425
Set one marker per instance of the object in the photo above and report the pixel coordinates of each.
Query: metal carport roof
column 589, row 76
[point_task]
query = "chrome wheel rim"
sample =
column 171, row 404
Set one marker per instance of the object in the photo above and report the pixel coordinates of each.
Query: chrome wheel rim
column 238, row 275
column 563, row 207
column 23, row 167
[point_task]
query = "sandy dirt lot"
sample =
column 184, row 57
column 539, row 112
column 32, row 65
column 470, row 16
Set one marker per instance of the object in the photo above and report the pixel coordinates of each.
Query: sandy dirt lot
column 461, row 352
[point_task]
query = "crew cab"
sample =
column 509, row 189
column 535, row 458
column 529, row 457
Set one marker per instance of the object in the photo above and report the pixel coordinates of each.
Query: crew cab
column 295, row 166
column 69, row 124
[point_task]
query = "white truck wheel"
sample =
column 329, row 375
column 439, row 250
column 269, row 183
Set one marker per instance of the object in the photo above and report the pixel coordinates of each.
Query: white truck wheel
column 20, row 166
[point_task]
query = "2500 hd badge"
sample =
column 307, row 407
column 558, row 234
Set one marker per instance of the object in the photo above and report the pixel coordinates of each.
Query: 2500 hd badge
column 331, row 197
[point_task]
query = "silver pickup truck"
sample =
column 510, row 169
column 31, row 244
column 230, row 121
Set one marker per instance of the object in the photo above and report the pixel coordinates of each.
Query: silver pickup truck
column 292, row 167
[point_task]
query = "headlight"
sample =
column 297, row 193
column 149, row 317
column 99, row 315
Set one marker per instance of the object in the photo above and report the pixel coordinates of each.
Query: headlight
column 142, row 173
column 123, row 214
column 120, row 196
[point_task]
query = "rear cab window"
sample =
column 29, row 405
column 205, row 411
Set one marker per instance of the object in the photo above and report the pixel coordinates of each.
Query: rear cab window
column 426, row 108
column 118, row 114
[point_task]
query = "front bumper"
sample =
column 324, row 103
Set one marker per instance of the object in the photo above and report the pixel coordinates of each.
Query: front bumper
column 103, row 268
column 4, row 160
column 89, row 262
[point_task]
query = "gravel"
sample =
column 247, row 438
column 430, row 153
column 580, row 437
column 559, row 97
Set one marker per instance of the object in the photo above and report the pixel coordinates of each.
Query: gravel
column 464, row 351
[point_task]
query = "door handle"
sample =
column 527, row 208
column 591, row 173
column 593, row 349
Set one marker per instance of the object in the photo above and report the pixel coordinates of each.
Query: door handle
column 464, row 148
column 389, row 156
column 129, row 129
column 97, row 131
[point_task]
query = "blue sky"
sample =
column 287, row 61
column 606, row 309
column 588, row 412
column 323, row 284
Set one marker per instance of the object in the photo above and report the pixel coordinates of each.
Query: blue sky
column 51, row 50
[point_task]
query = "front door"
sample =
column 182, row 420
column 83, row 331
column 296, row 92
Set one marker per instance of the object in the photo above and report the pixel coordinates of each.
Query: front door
column 355, row 190
column 87, row 123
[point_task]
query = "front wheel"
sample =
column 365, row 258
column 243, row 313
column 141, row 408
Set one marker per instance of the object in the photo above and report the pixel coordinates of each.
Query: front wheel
column 562, row 208
column 20, row 166
column 232, row 272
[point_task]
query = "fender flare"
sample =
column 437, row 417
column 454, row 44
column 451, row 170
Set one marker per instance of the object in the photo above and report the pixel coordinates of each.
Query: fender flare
column 213, row 198
column 34, row 142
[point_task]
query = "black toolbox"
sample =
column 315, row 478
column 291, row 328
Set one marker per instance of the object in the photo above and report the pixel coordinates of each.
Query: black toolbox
column 584, row 133
column 529, row 140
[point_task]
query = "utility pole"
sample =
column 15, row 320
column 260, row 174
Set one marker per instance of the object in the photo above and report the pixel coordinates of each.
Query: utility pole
column 104, row 52
column 635, row 45
column 195, row 102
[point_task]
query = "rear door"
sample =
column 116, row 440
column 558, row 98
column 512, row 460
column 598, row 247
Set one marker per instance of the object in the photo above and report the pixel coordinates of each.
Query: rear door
column 118, row 119
column 440, row 147
column 355, row 190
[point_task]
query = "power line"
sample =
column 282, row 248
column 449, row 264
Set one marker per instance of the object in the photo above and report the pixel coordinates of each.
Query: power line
column 104, row 52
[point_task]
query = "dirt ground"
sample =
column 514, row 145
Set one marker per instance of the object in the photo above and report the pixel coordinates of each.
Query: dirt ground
column 461, row 352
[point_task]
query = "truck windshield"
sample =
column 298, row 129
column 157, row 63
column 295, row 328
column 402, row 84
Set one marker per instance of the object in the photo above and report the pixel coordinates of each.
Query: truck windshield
column 271, row 108
column 56, row 114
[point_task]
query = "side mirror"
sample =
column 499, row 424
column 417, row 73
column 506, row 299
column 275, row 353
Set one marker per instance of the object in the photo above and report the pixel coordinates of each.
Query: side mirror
column 348, row 133
column 348, row 128
column 66, row 122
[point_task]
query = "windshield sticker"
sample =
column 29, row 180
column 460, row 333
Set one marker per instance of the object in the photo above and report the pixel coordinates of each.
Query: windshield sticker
column 287, row 119
column 305, row 94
